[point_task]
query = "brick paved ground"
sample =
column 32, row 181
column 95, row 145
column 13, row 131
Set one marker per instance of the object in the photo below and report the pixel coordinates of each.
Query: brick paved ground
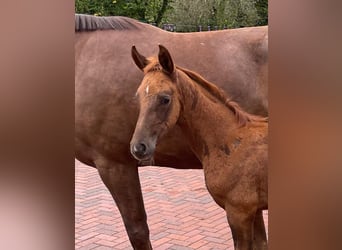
column 181, row 214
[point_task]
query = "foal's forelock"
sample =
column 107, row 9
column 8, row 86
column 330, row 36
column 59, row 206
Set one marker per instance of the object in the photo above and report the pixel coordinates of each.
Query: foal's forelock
column 152, row 66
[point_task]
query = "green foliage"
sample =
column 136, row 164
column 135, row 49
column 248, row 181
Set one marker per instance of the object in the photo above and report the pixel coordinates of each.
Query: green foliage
column 186, row 15
column 262, row 9
column 96, row 7
column 144, row 10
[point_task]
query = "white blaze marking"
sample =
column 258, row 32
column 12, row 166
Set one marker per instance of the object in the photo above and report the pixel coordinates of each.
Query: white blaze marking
column 147, row 89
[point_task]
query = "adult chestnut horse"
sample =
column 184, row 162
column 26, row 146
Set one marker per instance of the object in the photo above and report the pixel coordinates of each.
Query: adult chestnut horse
column 230, row 143
column 106, row 109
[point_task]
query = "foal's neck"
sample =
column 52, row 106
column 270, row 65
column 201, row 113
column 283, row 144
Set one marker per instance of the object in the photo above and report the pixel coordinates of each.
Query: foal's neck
column 207, row 122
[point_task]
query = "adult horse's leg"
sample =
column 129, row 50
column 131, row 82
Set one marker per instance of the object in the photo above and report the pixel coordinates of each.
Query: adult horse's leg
column 124, row 185
column 260, row 237
column 241, row 225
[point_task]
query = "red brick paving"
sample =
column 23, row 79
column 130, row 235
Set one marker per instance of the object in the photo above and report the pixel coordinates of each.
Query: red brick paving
column 181, row 214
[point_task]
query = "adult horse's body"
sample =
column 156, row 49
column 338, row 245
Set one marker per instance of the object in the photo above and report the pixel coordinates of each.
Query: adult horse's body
column 106, row 110
column 230, row 143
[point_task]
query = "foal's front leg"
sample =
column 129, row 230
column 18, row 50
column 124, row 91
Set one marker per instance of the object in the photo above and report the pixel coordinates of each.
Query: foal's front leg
column 242, row 226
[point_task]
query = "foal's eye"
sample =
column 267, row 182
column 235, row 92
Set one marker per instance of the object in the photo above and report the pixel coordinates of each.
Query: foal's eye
column 165, row 99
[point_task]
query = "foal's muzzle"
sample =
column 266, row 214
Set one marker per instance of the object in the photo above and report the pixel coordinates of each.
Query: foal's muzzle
column 142, row 151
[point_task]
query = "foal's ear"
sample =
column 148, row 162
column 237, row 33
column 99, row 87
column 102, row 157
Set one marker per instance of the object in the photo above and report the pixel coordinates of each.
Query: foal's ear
column 139, row 59
column 165, row 60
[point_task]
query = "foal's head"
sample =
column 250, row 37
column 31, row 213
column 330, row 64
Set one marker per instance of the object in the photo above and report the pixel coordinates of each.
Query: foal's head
column 158, row 100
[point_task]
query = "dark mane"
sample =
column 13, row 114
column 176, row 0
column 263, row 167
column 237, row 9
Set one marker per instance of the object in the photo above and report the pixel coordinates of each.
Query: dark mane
column 92, row 23
column 242, row 116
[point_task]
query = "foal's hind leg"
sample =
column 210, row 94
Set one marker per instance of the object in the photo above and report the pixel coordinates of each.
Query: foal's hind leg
column 123, row 183
column 241, row 225
column 260, row 238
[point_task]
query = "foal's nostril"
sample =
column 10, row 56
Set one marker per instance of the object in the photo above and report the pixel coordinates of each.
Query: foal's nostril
column 139, row 148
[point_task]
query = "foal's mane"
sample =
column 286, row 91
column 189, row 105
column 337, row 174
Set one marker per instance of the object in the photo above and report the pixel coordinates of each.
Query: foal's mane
column 242, row 116
column 91, row 23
